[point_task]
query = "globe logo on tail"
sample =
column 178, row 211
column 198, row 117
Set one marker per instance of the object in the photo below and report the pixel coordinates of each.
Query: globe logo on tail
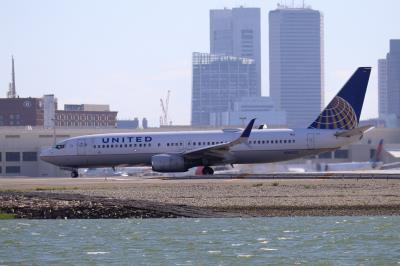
column 337, row 115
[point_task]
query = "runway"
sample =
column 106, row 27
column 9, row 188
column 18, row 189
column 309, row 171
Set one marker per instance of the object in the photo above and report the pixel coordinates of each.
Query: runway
column 22, row 183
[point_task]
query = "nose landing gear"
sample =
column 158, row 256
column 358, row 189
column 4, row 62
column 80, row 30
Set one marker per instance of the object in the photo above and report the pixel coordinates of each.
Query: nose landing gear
column 74, row 173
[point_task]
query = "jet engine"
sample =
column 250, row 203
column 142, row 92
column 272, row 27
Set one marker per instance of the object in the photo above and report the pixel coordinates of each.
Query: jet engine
column 168, row 163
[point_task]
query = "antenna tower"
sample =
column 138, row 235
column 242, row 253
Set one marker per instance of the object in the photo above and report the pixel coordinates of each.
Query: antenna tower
column 164, row 109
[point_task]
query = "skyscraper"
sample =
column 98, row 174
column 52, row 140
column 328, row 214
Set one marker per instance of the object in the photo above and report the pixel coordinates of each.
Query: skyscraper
column 382, row 88
column 236, row 32
column 393, row 79
column 296, row 63
column 218, row 81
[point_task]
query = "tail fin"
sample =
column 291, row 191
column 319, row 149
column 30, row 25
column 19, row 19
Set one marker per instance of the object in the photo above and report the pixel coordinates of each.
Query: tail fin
column 344, row 111
column 379, row 151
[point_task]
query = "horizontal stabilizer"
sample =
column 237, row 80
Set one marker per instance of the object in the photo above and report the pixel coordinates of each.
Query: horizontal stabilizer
column 353, row 132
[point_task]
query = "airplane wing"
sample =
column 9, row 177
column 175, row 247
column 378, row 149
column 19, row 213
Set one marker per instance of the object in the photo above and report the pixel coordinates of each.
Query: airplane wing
column 219, row 152
column 353, row 132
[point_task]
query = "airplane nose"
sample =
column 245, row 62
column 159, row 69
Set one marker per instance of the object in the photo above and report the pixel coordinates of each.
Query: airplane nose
column 46, row 154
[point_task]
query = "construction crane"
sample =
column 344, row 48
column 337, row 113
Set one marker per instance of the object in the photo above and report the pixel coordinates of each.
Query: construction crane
column 164, row 108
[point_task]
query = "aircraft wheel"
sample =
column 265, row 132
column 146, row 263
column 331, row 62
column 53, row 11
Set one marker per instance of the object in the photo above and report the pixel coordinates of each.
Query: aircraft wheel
column 74, row 174
column 208, row 170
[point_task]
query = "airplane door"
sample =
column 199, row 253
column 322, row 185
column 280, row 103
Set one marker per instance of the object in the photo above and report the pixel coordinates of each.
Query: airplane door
column 81, row 146
column 311, row 140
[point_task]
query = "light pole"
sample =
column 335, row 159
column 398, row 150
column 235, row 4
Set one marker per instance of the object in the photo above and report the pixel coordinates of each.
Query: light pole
column 54, row 131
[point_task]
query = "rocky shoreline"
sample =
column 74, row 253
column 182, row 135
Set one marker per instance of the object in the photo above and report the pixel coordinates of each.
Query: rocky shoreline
column 48, row 205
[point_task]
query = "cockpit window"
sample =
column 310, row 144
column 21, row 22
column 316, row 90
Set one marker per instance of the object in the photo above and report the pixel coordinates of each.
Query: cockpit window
column 60, row 146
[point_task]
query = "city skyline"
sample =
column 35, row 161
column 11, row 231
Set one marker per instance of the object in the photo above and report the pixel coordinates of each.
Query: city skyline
column 110, row 53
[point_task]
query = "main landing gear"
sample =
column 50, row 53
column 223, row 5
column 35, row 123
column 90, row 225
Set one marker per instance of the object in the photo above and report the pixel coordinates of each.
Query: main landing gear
column 207, row 170
column 74, row 173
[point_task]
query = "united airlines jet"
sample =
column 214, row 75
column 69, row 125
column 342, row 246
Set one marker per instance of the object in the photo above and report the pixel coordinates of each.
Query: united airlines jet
column 336, row 126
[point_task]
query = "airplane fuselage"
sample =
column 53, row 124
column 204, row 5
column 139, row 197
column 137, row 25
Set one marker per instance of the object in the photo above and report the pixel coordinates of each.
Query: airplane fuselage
column 134, row 149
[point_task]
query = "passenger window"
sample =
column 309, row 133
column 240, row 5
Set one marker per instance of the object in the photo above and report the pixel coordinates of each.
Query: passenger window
column 159, row 144
column 140, row 145
column 284, row 141
column 149, row 144
column 144, row 145
column 104, row 146
column 112, row 146
column 134, row 145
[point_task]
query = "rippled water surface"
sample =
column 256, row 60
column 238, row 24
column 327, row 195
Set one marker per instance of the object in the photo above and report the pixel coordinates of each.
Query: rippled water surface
column 232, row 241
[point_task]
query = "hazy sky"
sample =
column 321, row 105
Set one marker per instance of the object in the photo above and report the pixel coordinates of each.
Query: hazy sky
column 129, row 53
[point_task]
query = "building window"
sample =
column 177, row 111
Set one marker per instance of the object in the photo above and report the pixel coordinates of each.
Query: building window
column 13, row 169
column 325, row 155
column 13, row 157
column 29, row 156
column 341, row 154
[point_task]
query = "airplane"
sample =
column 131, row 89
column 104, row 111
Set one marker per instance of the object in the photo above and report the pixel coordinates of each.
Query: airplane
column 375, row 163
column 336, row 126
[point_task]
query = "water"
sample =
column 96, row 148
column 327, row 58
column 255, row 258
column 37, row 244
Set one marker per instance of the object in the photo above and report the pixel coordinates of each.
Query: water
column 231, row 241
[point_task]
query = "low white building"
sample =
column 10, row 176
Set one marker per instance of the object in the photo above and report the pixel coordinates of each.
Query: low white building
column 20, row 148
column 247, row 108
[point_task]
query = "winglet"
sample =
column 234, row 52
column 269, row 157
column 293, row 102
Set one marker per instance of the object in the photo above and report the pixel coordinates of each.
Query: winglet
column 247, row 130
